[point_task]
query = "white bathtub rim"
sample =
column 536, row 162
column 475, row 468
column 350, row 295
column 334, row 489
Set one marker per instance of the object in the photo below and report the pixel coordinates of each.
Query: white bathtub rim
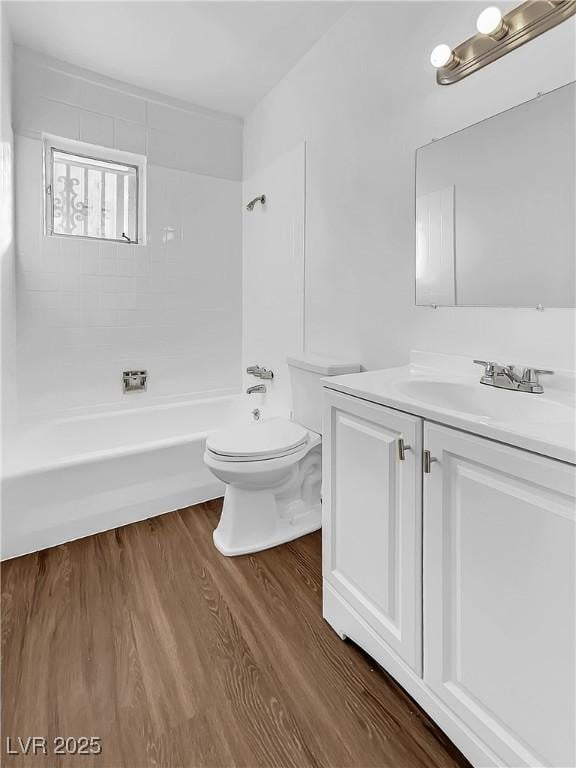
column 136, row 403
column 41, row 464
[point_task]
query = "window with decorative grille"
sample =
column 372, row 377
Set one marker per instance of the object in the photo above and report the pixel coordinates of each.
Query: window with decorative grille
column 92, row 196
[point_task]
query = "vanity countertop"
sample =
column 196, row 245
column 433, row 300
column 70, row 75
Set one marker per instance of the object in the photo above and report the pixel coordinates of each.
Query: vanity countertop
column 446, row 389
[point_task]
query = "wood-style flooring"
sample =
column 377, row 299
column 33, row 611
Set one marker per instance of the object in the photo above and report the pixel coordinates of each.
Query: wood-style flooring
column 175, row 656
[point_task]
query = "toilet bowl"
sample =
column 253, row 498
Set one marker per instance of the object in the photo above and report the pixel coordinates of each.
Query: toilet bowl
column 273, row 468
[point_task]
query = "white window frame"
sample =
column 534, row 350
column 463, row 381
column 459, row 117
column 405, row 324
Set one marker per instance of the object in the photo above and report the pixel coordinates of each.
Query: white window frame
column 52, row 143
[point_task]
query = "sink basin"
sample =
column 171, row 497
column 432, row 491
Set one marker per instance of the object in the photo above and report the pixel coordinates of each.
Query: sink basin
column 484, row 403
column 446, row 389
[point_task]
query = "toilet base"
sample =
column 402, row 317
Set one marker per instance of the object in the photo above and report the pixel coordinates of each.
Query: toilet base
column 287, row 507
column 282, row 536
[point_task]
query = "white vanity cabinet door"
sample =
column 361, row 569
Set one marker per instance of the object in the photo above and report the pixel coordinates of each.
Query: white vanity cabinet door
column 499, row 594
column 372, row 542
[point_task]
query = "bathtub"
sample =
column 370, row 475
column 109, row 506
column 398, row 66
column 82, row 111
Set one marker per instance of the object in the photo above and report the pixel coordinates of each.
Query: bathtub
column 68, row 478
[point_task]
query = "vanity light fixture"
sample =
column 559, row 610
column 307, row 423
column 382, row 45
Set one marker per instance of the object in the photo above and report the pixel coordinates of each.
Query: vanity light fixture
column 498, row 35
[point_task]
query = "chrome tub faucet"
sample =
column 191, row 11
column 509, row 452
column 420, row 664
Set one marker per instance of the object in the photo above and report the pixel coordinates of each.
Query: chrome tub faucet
column 256, row 389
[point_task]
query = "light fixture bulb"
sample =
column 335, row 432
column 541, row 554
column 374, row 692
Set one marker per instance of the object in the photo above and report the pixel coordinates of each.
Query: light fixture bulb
column 441, row 56
column 490, row 23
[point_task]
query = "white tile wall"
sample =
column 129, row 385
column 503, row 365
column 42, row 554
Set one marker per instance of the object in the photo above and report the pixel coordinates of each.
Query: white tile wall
column 50, row 99
column 96, row 128
column 36, row 115
column 130, row 137
column 88, row 310
column 108, row 101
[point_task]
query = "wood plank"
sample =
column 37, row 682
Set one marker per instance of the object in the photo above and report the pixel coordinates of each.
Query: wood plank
column 177, row 656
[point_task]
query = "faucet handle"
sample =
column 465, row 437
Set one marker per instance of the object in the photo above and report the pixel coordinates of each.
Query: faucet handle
column 530, row 379
column 530, row 375
column 259, row 372
column 488, row 366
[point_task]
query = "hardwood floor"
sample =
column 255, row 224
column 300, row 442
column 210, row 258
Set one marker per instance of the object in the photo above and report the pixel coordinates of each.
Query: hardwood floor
column 176, row 656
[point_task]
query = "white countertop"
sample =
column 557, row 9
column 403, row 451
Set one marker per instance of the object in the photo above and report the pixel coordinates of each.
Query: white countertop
column 446, row 389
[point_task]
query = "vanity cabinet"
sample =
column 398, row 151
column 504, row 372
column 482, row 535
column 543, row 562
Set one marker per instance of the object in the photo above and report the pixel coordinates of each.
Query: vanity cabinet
column 372, row 543
column 499, row 594
column 457, row 575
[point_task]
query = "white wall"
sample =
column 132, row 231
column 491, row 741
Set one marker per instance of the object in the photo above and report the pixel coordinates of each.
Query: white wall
column 364, row 98
column 273, row 274
column 7, row 258
column 88, row 310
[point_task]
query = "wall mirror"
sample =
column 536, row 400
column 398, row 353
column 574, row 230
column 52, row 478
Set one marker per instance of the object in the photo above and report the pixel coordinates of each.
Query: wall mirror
column 495, row 209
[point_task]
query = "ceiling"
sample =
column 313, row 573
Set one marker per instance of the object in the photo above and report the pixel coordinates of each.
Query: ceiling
column 220, row 55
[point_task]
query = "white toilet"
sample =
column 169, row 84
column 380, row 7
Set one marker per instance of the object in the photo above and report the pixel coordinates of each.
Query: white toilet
column 273, row 468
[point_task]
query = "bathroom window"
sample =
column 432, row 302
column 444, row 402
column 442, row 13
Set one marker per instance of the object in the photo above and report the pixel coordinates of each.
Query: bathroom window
column 93, row 192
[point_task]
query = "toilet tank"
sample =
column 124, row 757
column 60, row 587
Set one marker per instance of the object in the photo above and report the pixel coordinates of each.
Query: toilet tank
column 306, row 373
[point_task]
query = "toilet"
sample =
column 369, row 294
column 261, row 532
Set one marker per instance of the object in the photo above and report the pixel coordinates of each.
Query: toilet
column 273, row 468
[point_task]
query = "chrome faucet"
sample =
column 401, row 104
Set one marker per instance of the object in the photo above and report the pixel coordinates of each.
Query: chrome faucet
column 259, row 372
column 505, row 377
column 257, row 388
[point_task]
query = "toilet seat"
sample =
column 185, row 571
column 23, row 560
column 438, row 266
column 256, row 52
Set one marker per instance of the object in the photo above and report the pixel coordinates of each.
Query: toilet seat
column 258, row 441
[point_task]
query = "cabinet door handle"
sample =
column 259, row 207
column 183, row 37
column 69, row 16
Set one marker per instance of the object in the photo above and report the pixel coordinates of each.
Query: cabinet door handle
column 402, row 448
column 428, row 459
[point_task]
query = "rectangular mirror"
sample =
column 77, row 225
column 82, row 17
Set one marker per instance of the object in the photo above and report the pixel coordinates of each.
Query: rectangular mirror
column 495, row 210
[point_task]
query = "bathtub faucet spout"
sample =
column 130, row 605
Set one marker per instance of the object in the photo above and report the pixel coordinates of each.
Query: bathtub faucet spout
column 258, row 388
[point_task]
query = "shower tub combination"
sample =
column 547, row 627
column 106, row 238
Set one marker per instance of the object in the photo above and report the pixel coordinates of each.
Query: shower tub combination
column 68, row 478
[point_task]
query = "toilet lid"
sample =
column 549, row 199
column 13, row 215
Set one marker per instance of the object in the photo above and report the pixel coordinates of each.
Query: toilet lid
column 260, row 439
